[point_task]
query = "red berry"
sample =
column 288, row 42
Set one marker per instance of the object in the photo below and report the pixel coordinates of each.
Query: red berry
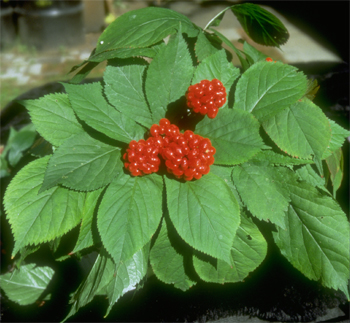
column 268, row 59
column 142, row 157
column 164, row 122
column 155, row 130
column 206, row 97
column 186, row 155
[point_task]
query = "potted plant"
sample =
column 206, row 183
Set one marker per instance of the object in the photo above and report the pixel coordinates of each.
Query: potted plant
column 175, row 162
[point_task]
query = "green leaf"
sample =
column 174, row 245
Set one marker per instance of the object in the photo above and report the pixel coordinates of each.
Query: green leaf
column 89, row 104
column 39, row 217
column 124, row 90
column 99, row 276
column 83, row 72
column 41, row 148
column 168, row 76
column 54, row 244
column 85, row 238
column 96, row 58
column 234, row 134
column 123, row 53
column 278, row 159
column 248, row 250
column 142, row 28
column 301, row 130
column 215, row 22
column 260, row 190
column 19, row 142
column 338, row 136
column 267, row 88
column 308, row 174
column 109, row 279
column 252, row 53
column 167, row 263
column 127, row 275
column 83, row 163
column 206, row 45
column 24, row 253
column 228, row 43
column 53, row 117
column 25, row 285
column 205, row 213
column 224, row 173
column 316, row 239
column 335, row 164
column 4, row 168
column 312, row 89
column 217, row 66
column 260, row 25
column 129, row 214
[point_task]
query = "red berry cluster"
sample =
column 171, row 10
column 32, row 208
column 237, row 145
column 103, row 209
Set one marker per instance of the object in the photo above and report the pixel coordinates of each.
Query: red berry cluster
column 186, row 155
column 141, row 157
column 206, row 97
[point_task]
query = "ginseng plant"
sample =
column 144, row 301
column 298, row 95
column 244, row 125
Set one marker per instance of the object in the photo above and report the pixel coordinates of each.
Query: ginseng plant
column 178, row 153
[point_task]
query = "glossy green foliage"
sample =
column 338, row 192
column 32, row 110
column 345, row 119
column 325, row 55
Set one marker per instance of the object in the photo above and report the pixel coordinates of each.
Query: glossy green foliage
column 234, row 134
column 267, row 88
column 272, row 146
column 294, row 129
column 77, row 164
column 39, row 217
column 129, row 214
column 167, row 262
column 168, row 76
column 53, row 117
column 316, row 239
column 90, row 106
column 206, row 221
column 248, row 250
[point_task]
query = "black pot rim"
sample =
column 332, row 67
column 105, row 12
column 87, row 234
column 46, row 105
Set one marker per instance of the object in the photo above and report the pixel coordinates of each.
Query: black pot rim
column 50, row 12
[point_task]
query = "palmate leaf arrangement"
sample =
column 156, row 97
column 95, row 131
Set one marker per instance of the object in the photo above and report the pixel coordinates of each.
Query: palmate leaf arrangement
column 274, row 149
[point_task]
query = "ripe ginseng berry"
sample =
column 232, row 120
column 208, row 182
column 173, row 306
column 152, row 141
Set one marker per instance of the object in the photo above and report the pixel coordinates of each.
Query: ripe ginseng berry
column 206, row 97
column 165, row 132
column 141, row 157
column 188, row 156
